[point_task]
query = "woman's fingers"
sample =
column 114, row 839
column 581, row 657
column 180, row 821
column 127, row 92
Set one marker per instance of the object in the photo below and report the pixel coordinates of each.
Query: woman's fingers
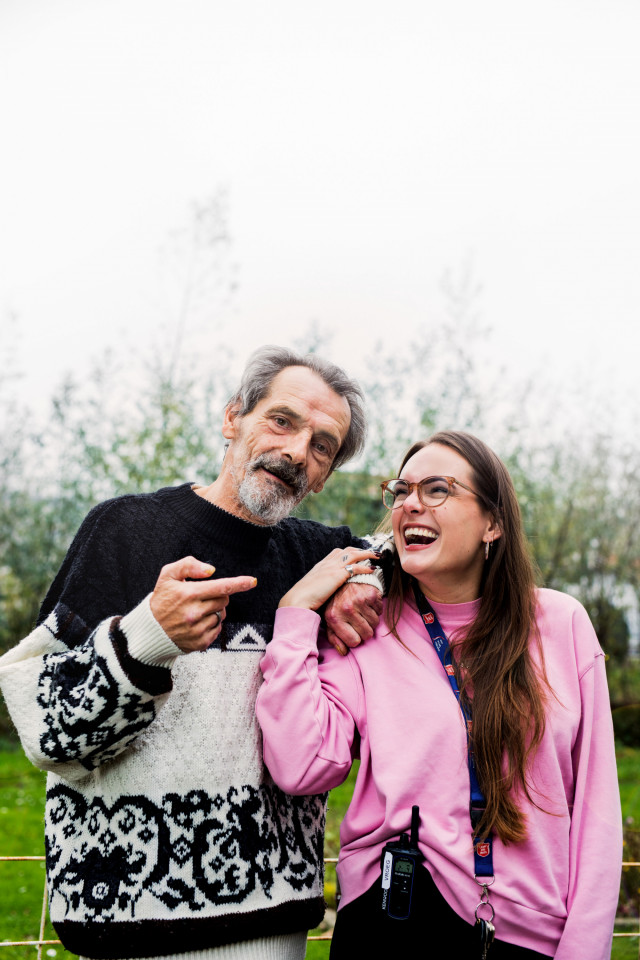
column 327, row 576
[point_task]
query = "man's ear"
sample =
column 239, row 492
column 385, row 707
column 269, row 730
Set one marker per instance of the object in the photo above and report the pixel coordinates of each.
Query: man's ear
column 229, row 423
column 320, row 483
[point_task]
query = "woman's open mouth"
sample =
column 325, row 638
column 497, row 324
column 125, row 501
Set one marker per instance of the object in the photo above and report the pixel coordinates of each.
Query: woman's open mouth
column 419, row 536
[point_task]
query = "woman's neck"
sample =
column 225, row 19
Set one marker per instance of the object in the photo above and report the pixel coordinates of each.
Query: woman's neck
column 454, row 593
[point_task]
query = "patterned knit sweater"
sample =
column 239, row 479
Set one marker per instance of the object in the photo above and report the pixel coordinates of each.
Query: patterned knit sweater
column 164, row 832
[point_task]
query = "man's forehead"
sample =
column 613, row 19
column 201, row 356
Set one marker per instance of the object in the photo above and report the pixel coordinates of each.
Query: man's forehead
column 304, row 383
column 297, row 377
column 305, row 392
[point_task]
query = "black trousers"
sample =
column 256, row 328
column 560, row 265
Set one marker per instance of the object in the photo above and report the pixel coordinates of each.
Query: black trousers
column 363, row 930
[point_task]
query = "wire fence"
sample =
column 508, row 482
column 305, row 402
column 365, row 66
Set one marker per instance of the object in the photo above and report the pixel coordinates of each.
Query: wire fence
column 41, row 942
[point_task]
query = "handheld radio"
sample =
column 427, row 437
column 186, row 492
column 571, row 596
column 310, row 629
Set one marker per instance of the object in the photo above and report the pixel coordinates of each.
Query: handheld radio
column 399, row 862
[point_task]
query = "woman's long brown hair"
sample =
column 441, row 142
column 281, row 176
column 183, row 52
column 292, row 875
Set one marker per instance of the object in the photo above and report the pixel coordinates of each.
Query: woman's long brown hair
column 494, row 660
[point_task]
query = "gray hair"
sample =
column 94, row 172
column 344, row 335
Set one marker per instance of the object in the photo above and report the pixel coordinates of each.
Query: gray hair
column 267, row 362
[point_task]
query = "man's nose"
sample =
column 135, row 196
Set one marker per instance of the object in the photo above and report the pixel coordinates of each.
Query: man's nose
column 296, row 447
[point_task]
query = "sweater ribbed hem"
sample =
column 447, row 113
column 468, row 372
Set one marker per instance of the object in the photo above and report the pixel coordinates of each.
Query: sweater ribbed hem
column 165, row 938
column 290, row 946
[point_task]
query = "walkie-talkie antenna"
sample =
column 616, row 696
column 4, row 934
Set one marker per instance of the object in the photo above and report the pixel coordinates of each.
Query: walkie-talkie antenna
column 415, row 825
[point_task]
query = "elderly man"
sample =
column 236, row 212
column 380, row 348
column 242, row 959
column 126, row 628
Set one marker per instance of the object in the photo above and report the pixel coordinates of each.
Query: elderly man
column 164, row 833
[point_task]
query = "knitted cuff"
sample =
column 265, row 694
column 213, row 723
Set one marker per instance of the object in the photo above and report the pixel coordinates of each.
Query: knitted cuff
column 375, row 579
column 146, row 640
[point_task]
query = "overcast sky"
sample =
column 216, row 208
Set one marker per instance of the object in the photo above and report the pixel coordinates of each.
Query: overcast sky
column 365, row 148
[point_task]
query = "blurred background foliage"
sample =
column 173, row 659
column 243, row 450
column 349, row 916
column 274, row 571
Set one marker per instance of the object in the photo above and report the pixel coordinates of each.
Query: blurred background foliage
column 128, row 427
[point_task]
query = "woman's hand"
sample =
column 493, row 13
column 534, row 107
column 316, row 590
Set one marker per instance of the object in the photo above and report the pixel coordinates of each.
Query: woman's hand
column 322, row 581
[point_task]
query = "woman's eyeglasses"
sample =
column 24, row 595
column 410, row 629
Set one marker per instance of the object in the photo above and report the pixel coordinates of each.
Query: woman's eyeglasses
column 432, row 491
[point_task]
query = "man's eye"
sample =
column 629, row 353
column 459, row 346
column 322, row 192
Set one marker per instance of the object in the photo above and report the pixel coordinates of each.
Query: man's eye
column 280, row 421
column 323, row 449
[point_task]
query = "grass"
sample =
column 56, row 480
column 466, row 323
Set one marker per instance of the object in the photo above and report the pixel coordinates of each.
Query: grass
column 21, row 834
column 628, row 767
column 629, row 781
column 622, row 950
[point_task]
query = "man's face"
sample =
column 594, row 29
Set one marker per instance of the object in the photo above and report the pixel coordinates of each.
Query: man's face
column 284, row 448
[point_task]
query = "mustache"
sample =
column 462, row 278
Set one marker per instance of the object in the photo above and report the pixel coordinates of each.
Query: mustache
column 294, row 476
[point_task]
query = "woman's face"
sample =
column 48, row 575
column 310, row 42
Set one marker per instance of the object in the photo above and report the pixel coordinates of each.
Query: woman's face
column 443, row 547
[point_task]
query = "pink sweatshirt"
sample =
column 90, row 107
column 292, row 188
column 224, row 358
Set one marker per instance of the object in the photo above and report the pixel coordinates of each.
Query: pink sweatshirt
column 392, row 707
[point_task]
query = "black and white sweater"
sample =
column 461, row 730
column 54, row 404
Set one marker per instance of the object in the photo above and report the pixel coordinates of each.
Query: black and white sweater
column 164, row 832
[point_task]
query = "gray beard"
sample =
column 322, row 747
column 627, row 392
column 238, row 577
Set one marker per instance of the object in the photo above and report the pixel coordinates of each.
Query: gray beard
column 269, row 501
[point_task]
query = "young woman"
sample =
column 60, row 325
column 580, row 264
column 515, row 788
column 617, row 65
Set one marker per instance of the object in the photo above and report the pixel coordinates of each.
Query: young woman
column 540, row 863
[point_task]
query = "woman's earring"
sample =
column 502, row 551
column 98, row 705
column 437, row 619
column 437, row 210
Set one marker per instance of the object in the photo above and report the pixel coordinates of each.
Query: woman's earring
column 487, row 547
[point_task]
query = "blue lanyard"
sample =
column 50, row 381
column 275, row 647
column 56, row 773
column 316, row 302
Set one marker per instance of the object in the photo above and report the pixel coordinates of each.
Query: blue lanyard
column 482, row 848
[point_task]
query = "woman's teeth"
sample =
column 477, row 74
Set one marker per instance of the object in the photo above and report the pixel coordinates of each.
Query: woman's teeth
column 419, row 535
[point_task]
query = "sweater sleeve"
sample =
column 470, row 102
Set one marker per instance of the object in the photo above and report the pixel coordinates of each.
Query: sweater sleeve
column 78, row 698
column 596, row 820
column 307, row 711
